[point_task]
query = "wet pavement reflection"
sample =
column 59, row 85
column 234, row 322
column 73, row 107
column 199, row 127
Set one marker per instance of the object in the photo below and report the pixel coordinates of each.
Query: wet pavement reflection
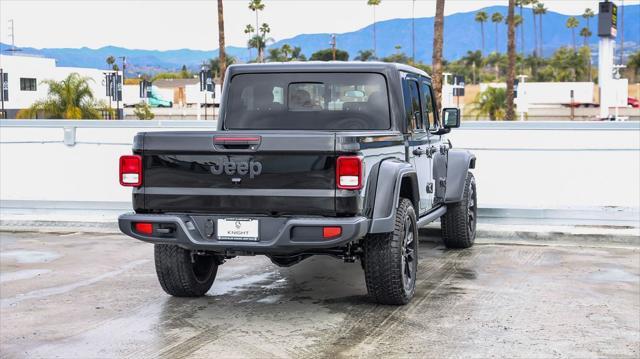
column 101, row 299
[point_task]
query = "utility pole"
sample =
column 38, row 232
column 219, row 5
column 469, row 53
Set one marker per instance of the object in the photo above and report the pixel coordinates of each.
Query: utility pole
column 121, row 86
column 333, row 46
column 118, row 89
column 124, row 66
column 607, row 31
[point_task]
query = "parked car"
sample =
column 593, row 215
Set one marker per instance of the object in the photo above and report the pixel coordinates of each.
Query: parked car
column 295, row 171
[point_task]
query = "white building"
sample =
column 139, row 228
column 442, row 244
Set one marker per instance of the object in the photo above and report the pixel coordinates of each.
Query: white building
column 26, row 73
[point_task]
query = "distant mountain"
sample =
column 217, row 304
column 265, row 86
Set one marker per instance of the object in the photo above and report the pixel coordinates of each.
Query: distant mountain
column 137, row 60
column 462, row 33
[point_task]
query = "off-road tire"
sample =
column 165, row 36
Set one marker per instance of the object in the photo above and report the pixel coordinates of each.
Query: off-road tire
column 179, row 275
column 384, row 259
column 458, row 225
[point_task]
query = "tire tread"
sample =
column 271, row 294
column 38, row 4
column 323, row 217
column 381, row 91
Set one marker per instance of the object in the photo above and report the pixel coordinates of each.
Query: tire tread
column 173, row 268
column 455, row 233
column 382, row 263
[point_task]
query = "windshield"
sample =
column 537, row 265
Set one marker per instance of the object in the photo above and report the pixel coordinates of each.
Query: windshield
column 308, row 101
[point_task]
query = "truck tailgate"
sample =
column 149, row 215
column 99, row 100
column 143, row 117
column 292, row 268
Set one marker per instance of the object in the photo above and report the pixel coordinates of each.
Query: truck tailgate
column 238, row 172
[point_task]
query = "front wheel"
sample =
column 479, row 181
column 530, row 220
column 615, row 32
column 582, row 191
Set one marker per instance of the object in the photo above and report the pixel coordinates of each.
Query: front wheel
column 184, row 273
column 458, row 225
column 391, row 259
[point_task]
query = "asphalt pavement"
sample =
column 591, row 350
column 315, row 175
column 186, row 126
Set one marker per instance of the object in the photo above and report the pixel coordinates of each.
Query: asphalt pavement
column 65, row 295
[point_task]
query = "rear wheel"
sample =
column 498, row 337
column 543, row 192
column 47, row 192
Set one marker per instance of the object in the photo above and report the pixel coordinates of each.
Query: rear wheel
column 184, row 273
column 391, row 259
column 459, row 223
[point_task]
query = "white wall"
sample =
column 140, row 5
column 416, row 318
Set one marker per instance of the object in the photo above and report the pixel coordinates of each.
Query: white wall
column 543, row 165
column 41, row 69
column 548, row 93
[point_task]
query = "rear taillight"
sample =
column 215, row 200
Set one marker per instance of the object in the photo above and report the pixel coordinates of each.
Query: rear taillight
column 331, row 232
column 349, row 172
column 131, row 171
column 143, row 228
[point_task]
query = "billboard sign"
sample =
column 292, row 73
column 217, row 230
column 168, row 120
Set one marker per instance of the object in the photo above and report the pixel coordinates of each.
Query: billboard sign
column 607, row 19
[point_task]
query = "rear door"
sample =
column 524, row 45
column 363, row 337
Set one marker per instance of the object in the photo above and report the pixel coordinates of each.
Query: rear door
column 438, row 148
column 239, row 172
column 430, row 117
column 418, row 138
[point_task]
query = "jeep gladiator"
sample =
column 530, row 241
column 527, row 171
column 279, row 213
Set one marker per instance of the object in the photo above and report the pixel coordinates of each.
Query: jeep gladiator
column 339, row 159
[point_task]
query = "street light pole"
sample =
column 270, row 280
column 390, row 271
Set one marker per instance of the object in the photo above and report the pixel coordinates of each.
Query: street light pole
column 124, row 67
column 204, row 79
column 333, row 46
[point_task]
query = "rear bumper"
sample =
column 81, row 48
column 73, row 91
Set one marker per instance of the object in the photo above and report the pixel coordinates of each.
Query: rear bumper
column 277, row 235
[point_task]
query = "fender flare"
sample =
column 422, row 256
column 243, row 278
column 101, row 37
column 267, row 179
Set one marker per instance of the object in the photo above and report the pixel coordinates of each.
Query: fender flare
column 391, row 175
column 458, row 164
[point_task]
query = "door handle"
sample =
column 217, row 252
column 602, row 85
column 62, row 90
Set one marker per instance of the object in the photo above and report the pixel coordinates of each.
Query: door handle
column 431, row 151
column 419, row 152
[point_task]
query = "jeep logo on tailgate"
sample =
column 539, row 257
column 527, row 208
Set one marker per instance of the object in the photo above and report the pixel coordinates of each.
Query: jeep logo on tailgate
column 230, row 167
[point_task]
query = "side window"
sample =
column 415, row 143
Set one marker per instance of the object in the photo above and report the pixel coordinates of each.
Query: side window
column 412, row 104
column 428, row 107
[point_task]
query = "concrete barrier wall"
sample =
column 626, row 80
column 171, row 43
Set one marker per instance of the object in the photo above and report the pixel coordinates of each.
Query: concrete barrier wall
column 520, row 165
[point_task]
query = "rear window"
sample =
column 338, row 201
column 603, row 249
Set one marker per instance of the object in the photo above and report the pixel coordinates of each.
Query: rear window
column 308, row 101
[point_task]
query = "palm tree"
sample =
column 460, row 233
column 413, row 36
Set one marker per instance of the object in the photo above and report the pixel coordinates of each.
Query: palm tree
column 521, row 4
column 540, row 10
column 110, row 61
column 491, row 103
column 276, row 55
column 497, row 61
column 285, row 53
column 535, row 30
column 259, row 41
column 572, row 23
column 216, row 66
column 222, row 54
column 587, row 15
column 365, row 55
column 438, row 28
column 517, row 21
column 481, row 17
column 474, row 60
column 297, row 55
column 249, row 30
column 70, row 98
column 497, row 18
column 255, row 6
column 633, row 64
column 374, row 3
column 286, row 50
column 511, row 52
column 586, row 34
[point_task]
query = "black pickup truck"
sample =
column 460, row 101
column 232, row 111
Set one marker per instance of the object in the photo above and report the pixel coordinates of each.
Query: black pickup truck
column 340, row 159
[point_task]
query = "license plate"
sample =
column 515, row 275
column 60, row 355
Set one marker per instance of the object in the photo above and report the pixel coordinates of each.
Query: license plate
column 238, row 229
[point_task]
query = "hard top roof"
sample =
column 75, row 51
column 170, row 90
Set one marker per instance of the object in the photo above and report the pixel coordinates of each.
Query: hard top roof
column 324, row 66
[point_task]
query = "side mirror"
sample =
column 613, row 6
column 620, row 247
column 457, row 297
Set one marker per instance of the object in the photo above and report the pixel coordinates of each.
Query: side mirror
column 451, row 117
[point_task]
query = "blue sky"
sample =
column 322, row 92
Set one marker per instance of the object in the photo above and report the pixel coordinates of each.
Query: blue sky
column 174, row 24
